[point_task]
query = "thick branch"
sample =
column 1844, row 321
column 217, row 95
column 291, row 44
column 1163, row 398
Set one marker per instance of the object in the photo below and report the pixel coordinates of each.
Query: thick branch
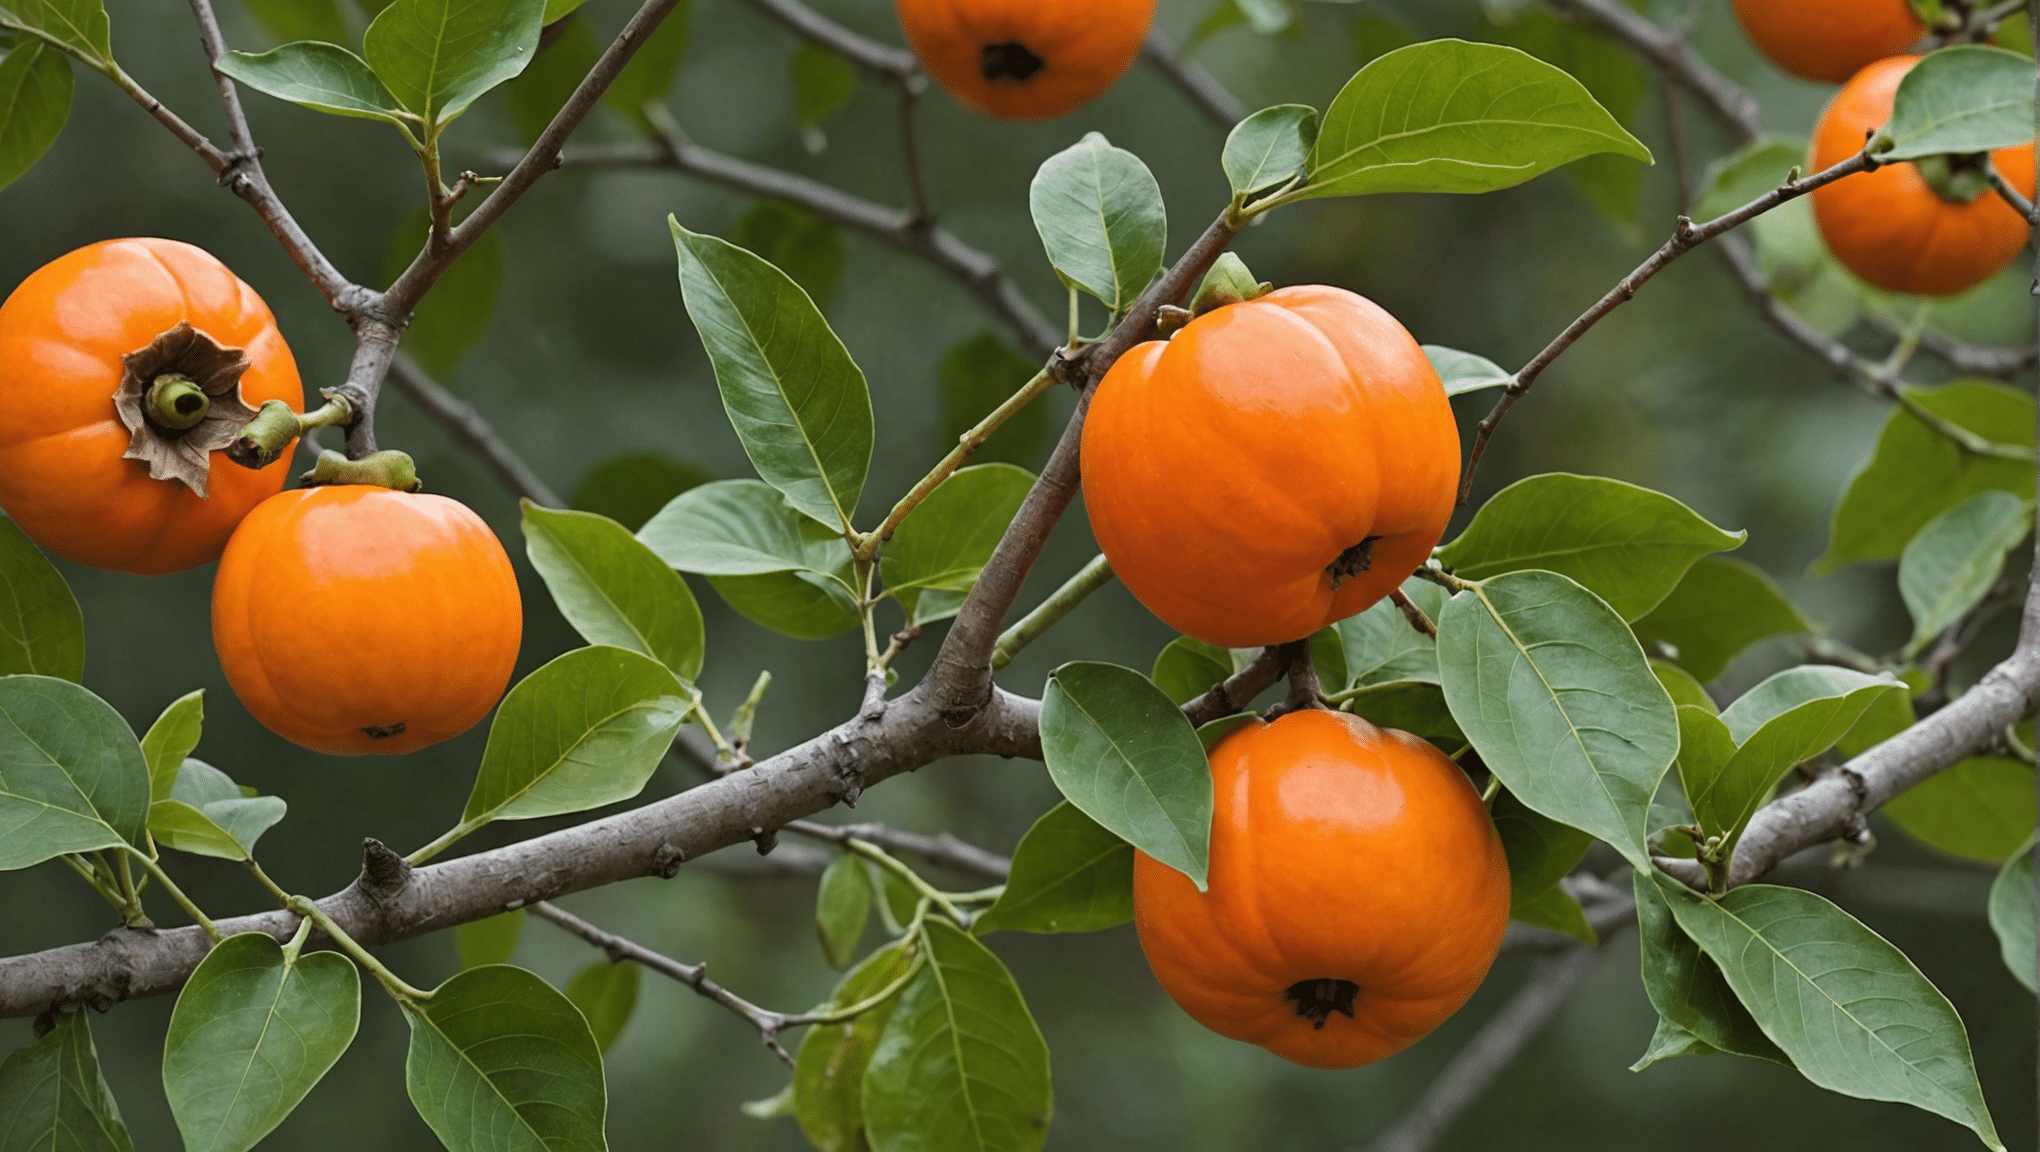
column 1200, row 85
column 465, row 425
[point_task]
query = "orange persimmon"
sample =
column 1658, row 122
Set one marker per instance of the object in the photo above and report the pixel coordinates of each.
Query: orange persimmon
column 89, row 467
column 354, row 619
column 1358, row 893
column 1025, row 59
column 1828, row 40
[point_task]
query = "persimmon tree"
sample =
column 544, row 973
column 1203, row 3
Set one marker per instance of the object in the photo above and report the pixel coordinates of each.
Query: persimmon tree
column 1557, row 648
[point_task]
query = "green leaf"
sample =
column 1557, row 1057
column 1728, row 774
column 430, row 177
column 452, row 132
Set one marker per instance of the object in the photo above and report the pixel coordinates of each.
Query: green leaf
column 1684, row 689
column 499, row 1060
column 771, row 1107
column 1269, row 147
column 557, row 10
column 1791, row 254
column 649, row 75
column 828, row 1073
column 208, row 814
column 1916, row 473
column 977, row 376
column 1101, row 219
column 1747, row 173
column 1979, row 809
column 1852, row 1012
column 1541, row 851
column 254, row 1030
column 1686, row 987
column 1121, row 750
column 2011, row 915
column 772, row 564
column 1554, row 693
column 439, row 56
column 944, row 543
column 1949, row 567
column 1787, row 719
column 1969, row 98
column 1450, row 116
column 490, row 940
column 806, row 247
column 1722, row 606
column 323, row 77
column 1628, row 545
column 41, row 630
column 72, row 777
column 1380, row 645
column 1186, row 669
column 585, row 730
column 1614, row 79
column 454, row 318
column 1411, row 706
column 538, row 95
column 1670, row 1041
column 1463, row 372
column 798, row 402
column 53, row 1099
column 961, row 1065
column 76, row 26
column 1556, row 909
column 606, row 993
column 1069, row 875
column 843, row 909
column 289, row 20
column 170, row 741
column 35, row 100
column 823, row 84
column 1328, row 656
column 613, row 589
column 631, row 488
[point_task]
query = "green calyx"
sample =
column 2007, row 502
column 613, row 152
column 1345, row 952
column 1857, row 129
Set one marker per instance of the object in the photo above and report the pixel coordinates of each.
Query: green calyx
column 176, row 403
column 1228, row 282
column 1956, row 179
column 386, row 469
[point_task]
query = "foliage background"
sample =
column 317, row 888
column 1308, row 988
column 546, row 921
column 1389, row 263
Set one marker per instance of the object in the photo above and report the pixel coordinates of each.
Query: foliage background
column 589, row 354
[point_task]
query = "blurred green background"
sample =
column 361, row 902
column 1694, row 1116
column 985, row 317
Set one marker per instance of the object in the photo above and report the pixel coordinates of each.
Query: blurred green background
column 589, row 355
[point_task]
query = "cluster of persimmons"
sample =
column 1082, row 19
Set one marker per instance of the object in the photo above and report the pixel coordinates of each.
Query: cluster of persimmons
column 1283, row 461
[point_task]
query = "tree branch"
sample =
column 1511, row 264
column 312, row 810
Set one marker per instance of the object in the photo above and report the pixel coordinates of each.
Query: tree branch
column 1686, row 236
column 1498, row 1043
column 896, row 65
column 1199, row 84
column 1050, row 612
column 1675, row 58
column 944, row 849
column 471, row 431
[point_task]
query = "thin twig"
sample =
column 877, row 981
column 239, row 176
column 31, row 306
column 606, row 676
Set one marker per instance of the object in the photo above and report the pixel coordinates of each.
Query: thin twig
column 1493, row 1049
column 2004, row 189
column 768, row 1023
column 1199, row 84
column 943, row 848
column 1686, row 236
column 894, row 64
column 461, row 421
column 1676, row 58
column 1413, row 614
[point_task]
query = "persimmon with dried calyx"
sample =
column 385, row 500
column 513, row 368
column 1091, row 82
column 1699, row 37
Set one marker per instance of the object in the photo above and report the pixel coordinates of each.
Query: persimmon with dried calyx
column 125, row 367
column 1828, row 40
column 1933, row 227
column 352, row 618
column 1025, row 59
column 1276, row 465
column 1357, row 893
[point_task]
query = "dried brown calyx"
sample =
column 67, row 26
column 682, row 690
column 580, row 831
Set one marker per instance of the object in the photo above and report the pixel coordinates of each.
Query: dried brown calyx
column 180, row 400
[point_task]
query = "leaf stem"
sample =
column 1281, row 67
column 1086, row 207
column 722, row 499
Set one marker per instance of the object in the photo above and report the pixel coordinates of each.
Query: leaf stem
column 399, row 991
column 190, row 909
column 866, row 546
column 1050, row 612
column 893, row 864
column 96, row 879
column 451, row 837
column 852, row 1011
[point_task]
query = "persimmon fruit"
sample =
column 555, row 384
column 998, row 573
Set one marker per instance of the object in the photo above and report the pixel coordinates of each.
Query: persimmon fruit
column 1891, row 226
column 424, row 614
column 1025, row 59
column 1277, row 465
column 124, row 367
column 1828, row 40
column 1357, row 893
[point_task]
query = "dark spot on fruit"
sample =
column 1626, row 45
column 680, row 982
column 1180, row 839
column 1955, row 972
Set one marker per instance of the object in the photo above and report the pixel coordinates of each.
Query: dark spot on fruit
column 384, row 731
column 1352, row 562
column 1009, row 60
column 1316, row 1000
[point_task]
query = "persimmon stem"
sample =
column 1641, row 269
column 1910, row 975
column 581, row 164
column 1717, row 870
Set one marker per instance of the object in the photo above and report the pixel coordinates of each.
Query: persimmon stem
column 176, row 403
column 177, row 894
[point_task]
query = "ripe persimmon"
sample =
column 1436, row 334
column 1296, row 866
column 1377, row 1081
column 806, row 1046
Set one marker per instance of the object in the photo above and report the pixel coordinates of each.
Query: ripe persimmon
column 1025, row 59
column 1894, row 227
column 1276, row 465
column 124, row 367
column 354, row 619
column 1358, row 893
column 1828, row 40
